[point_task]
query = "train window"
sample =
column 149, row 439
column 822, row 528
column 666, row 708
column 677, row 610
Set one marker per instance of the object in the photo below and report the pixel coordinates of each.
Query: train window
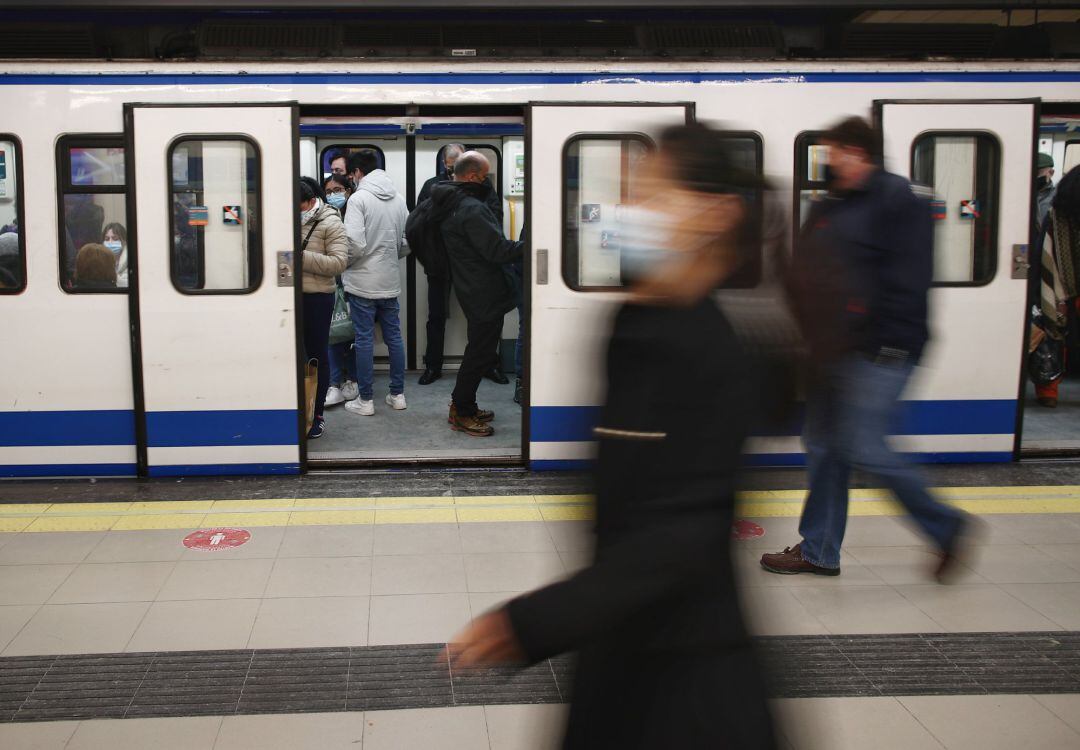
column 214, row 225
column 1072, row 157
column 962, row 169
column 493, row 156
column 335, row 152
column 12, row 241
column 810, row 160
column 93, row 214
column 599, row 177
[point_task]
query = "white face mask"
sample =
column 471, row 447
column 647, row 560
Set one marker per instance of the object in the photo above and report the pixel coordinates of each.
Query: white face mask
column 645, row 241
column 306, row 216
column 115, row 245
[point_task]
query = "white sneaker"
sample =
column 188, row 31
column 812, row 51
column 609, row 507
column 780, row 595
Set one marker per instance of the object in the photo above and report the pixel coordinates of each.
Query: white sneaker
column 350, row 390
column 396, row 401
column 333, row 396
column 361, row 407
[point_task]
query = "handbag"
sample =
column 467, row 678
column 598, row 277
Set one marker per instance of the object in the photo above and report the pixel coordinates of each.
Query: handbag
column 341, row 327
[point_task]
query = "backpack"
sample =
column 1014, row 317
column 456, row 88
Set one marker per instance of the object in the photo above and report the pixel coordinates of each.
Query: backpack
column 423, row 232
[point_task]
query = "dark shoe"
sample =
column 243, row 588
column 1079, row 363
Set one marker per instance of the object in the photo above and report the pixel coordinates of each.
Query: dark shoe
column 496, row 375
column 482, row 415
column 1050, row 402
column 316, row 428
column 517, row 391
column 790, row 562
column 429, row 376
column 470, row 425
column 955, row 560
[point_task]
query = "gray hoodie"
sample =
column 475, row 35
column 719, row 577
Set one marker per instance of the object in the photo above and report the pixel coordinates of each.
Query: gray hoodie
column 375, row 225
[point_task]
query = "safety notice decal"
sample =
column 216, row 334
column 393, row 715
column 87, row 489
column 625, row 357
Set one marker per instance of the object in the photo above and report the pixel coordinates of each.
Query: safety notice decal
column 210, row 540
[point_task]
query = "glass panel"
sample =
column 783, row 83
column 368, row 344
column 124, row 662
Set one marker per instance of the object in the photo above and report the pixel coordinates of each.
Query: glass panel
column 95, row 242
column 12, row 248
column 962, row 170
column 1072, row 158
column 599, row 175
column 807, row 198
column 335, row 153
column 215, row 235
column 97, row 167
column 817, row 157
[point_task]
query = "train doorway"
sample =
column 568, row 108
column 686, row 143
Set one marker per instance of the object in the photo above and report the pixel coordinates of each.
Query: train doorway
column 410, row 144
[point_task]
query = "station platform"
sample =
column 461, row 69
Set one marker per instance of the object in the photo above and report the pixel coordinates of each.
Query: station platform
column 309, row 612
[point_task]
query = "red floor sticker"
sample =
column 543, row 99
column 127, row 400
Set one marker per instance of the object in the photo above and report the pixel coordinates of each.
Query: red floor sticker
column 746, row 530
column 213, row 539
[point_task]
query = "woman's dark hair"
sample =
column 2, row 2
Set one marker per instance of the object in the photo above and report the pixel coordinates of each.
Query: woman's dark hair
column 338, row 179
column 1066, row 201
column 116, row 228
column 365, row 160
column 854, row 132
column 309, row 189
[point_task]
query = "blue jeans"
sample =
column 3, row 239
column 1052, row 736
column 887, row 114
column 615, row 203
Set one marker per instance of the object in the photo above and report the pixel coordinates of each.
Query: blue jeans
column 851, row 409
column 342, row 364
column 364, row 312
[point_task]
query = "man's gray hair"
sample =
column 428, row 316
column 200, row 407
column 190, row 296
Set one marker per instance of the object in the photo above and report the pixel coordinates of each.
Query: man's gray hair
column 471, row 162
column 453, row 151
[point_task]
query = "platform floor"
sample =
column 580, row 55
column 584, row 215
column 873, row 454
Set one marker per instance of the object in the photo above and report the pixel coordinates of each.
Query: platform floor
column 302, row 634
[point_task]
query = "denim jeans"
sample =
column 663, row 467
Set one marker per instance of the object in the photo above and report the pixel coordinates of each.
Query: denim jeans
column 364, row 312
column 342, row 364
column 852, row 407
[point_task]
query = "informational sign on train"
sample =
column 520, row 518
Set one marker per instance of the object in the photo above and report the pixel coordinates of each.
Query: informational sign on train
column 211, row 540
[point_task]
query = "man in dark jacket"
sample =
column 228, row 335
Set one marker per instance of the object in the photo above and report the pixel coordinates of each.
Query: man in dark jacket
column 439, row 284
column 477, row 251
column 865, row 320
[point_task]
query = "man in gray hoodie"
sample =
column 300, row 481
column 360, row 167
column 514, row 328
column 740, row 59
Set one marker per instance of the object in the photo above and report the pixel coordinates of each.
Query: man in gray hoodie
column 375, row 225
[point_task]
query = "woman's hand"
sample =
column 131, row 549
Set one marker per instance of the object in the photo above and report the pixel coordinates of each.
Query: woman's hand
column 488, row 640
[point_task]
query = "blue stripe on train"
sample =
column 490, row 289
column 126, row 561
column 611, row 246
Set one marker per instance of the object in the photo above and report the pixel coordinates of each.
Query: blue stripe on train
column 560, row 424
column 67, row 470
column 94, row 427
column 178, row 429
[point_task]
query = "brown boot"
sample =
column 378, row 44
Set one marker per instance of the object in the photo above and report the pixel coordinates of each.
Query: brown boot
column 482, row 415
column 470, row 425
column 790, row 562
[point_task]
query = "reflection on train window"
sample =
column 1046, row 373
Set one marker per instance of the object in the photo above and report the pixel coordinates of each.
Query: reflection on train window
column 962, row 169
column 1072, row 157
column 746, row 150
column 93, row 214
column 12, row 242
column 215, row 215
column 811, row 158
column 599, row 173
column 490, row 152
column 340, row 153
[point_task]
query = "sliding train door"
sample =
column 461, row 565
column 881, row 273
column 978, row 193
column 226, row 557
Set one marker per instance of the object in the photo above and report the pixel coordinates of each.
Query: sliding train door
column 213, row 213
column 582, row 172
column 976, row 158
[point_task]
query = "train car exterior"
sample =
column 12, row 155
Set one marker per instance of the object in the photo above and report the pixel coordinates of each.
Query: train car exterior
column 170, row 377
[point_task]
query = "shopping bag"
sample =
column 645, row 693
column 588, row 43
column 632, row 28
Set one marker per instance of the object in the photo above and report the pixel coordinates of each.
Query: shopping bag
column 311, row 388
column 341, row 327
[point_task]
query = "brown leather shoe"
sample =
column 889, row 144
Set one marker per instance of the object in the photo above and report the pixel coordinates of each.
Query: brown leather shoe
column 957, row 559
column 790, row 562
column 482, row 415
column 469, row 425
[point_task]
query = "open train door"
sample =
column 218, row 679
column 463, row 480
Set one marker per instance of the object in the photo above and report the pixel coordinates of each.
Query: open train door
column 581, row 169
column 213, row 224
column 976, row 157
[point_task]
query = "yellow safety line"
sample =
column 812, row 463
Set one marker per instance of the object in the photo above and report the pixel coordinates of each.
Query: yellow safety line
column 335, row 511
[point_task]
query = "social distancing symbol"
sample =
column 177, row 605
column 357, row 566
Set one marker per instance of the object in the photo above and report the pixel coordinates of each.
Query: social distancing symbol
column 743, row 529
column 215, row 539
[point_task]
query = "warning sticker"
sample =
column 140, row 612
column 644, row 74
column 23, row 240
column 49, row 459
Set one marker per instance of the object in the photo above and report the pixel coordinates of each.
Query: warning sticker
column 230, row 214
column 198, row 216
column 742, row 529
column 215, row 539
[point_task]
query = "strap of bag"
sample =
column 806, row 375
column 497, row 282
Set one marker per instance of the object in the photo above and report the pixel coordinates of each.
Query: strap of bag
column 314, row 224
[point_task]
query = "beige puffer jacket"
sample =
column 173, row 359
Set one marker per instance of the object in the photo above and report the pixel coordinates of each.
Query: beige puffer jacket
column 327, row 252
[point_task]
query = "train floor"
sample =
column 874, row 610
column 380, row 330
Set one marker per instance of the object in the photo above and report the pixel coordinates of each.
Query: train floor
column 421, row 429
column 311, row 612
column 1057, row 428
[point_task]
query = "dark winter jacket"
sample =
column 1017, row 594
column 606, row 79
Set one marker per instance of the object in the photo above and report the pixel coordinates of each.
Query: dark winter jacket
column 881, row 239
column 664, row 660
column 476, row 249
column 492, row 199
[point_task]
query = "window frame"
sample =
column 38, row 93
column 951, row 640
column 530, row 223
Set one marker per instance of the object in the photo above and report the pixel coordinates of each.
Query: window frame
column 341, row 146
column 1065, row 156
column 255, row 248
column 803, row 141
column 440, row 167
column 64, row 187
column 737, row 280
column 994, row 189
column 20, row 211
column 651, row 148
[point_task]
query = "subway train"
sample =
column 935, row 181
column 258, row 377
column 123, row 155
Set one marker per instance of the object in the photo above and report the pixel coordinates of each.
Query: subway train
column 190, row 361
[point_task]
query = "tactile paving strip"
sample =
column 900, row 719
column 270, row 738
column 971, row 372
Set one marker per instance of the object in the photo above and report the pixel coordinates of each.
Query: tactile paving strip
column 194, row 683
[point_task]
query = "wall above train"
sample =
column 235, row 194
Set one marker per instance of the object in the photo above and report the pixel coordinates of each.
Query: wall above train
column 827, row 31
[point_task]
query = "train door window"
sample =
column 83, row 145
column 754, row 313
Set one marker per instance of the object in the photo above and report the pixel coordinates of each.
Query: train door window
column 490, row 152
column 330, row 154
column 745, row 152
column 600, row 176
column 1072, row 157
column 213, row 183
column 962, row 169
column 12, row 237
column 93, row 237
column 811, row 157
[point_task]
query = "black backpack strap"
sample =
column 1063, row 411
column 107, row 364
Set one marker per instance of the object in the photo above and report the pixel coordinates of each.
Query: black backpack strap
column 303, row 245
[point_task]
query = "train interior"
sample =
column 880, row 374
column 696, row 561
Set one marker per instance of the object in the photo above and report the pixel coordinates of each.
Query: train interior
column 411, row 150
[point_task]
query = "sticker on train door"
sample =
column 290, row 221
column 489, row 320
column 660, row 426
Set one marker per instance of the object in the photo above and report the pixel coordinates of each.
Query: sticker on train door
column 937, row 210
column 230, row 214
column 969, row 209
column 198, row 216
column 590, row 213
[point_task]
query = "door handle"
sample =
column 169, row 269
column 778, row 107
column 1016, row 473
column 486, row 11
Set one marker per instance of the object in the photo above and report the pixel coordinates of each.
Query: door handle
column 285, row 268
column 1020, row 263
column 541, row 266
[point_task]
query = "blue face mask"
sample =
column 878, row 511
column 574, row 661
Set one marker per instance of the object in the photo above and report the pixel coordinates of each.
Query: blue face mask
column 115, row 245
column 337, row 200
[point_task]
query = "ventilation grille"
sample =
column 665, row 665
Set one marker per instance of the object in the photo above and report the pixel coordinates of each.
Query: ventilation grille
column 48, row 42
column 918, row 40
column 727, row 37
column 269, row 39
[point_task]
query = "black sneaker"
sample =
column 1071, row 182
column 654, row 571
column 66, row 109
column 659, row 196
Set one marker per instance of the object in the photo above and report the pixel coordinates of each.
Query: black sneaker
column 517, row 391
column 429, row 376
column 316, row 428
column 496, row 375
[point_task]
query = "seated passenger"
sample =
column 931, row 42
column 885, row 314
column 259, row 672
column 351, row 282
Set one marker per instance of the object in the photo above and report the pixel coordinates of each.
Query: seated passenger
column 95, row 268
column 115, row 239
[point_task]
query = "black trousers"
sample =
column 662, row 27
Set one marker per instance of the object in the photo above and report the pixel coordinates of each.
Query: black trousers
column 438, row 300
column 318, row 309
column 480, row 355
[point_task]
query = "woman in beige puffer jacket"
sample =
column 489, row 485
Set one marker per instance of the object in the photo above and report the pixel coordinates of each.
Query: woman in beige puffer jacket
column 324, row 254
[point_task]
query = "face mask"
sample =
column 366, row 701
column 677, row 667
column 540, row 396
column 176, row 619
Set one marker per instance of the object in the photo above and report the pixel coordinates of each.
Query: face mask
column 306, row 216
column 1042, row 182
column 337, row 200
column 115, row 245
column 644, row 242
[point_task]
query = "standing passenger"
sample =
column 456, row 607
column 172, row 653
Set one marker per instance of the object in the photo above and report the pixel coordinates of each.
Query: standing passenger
column 1044, row 184
column 375, row 224
column 114, row 237
column 664, row 658
column 338, row 163
column 324, row 251
column 343, row 386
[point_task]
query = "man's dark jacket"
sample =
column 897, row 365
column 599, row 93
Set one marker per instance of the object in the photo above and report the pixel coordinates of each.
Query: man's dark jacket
column 492, row 199
column 872, row 256
column 476, row 248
